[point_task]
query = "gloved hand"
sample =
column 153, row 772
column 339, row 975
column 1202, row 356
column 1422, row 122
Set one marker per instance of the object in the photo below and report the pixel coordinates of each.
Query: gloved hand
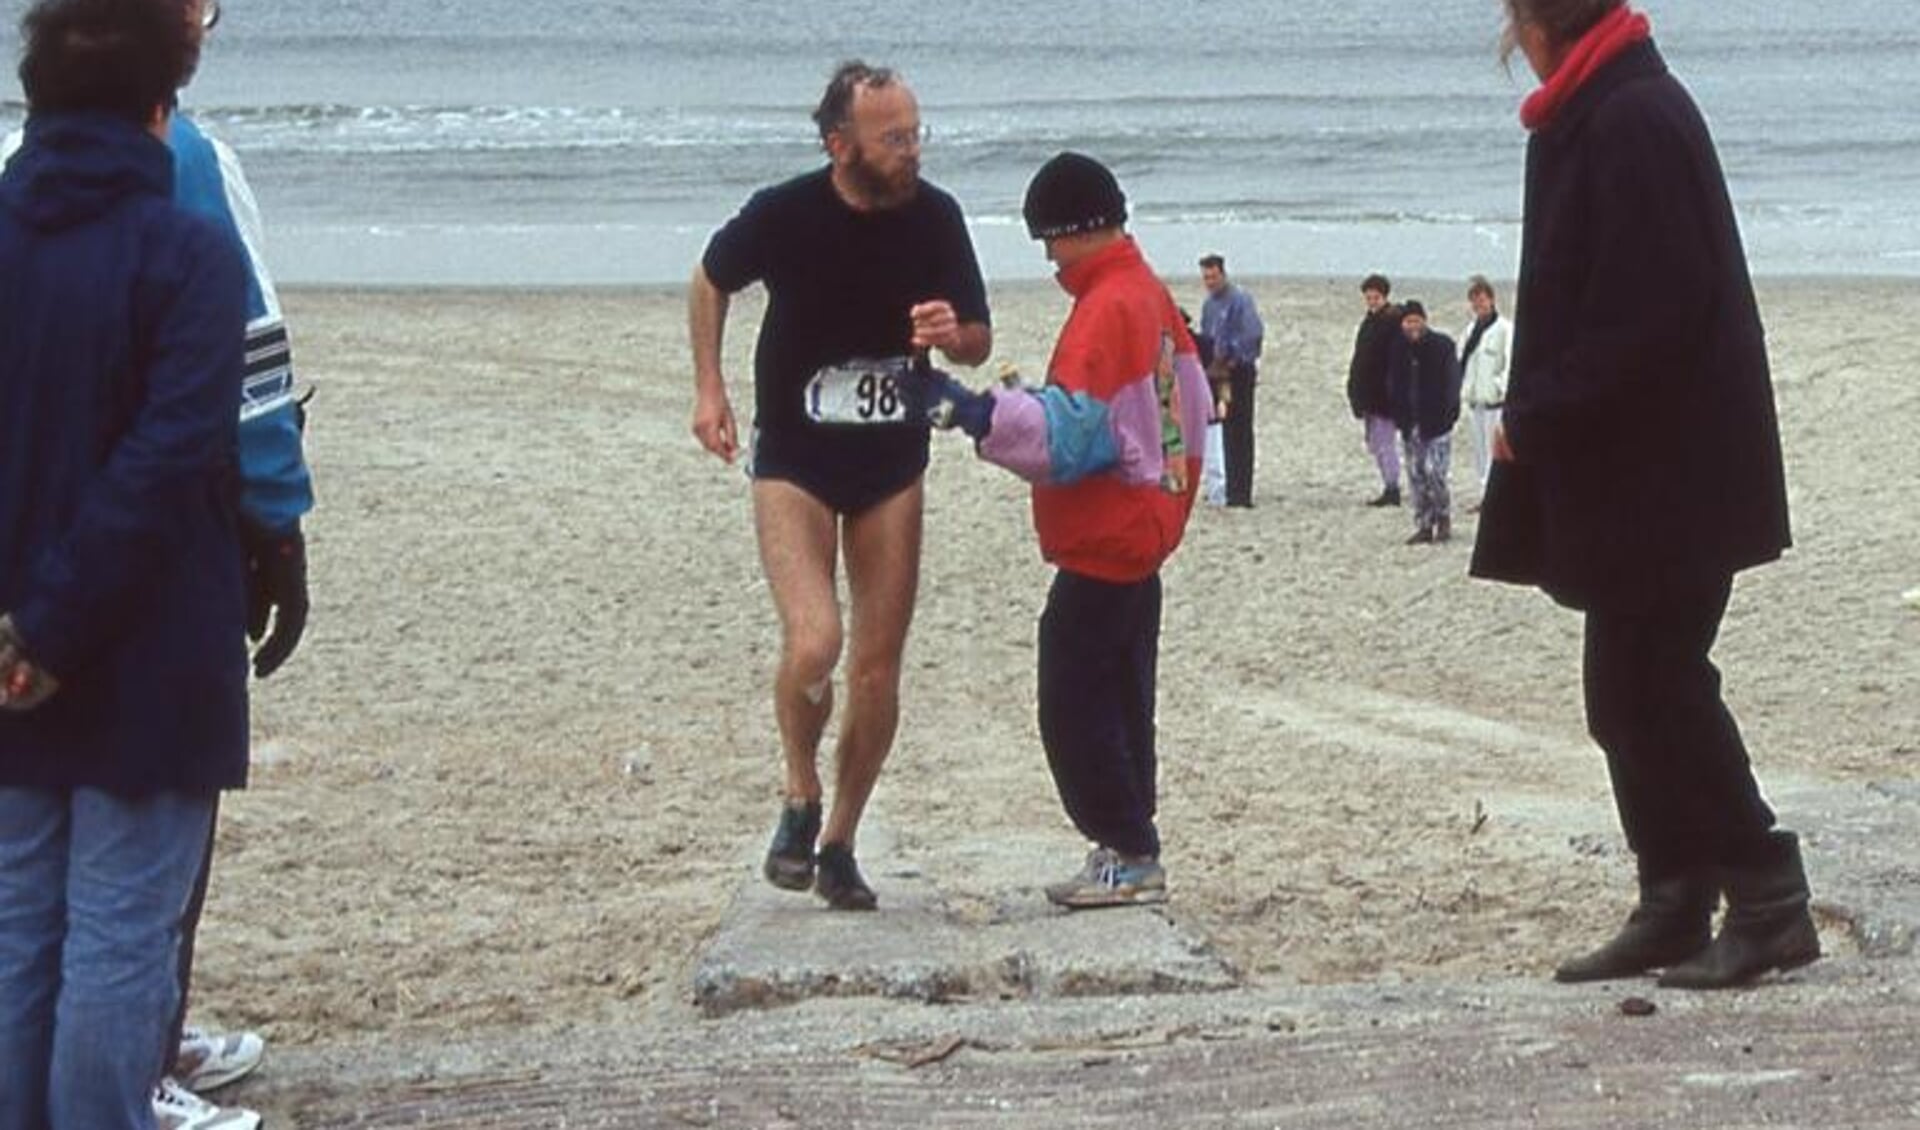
column 950, row 404
column 276, row 591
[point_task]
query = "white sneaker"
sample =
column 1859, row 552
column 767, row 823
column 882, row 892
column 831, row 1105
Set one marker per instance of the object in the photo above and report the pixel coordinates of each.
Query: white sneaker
column 176, row 1108
column 208, row 1061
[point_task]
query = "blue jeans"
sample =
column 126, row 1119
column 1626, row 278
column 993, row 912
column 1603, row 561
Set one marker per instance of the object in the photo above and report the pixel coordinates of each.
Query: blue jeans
column 92, row 888
column 1428, row 459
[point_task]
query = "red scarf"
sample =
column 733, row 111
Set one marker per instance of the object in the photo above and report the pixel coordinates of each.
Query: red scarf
column 1617, row 30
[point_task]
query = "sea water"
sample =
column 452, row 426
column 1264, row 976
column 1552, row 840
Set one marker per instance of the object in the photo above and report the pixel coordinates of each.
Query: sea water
column 601, row 141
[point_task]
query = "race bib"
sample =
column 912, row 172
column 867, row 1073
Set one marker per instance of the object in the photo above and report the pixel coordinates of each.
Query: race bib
column 862, row 392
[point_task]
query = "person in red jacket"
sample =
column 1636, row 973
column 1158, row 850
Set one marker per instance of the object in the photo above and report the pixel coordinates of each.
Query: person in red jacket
column 1113, row 445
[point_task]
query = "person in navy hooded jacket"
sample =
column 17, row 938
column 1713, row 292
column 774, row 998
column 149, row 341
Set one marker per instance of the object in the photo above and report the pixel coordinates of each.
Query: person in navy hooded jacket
column 276, row 490
column 123, row 667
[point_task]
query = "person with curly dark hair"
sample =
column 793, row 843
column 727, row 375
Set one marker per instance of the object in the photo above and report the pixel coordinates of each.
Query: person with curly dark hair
column 1374, row 345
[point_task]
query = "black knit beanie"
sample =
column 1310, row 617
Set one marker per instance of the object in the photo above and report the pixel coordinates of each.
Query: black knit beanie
column 1072, row 194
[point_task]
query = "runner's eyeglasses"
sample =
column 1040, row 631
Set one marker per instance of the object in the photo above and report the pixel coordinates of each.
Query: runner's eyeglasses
column 905, row 140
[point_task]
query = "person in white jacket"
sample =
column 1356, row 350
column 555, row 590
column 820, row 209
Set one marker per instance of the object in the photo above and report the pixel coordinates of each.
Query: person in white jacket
column 1486, row 347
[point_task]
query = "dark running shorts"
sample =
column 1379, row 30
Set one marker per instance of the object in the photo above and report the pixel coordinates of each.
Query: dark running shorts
column 847, row 474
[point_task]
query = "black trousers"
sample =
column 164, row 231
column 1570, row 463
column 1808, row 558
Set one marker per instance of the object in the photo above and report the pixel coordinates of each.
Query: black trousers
column 1238, row 436
column 1099, row 658
column 1681, row 776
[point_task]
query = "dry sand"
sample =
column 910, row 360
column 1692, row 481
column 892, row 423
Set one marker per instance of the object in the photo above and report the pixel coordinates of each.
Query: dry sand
column 525, row 756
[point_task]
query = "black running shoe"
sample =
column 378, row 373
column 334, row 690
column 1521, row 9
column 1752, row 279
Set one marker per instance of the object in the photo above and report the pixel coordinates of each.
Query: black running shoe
column 790, row 858
column 839, row 880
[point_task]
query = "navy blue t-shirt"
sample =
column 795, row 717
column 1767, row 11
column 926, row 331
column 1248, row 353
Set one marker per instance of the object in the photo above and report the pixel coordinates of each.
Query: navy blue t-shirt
column 840, row 283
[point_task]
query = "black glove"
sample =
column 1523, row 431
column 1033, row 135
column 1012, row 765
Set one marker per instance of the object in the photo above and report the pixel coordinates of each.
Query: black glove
column 276, row 590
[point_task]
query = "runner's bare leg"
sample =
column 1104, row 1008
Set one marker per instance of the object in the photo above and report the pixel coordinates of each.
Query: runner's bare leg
column 798, row 544
column 883, row 578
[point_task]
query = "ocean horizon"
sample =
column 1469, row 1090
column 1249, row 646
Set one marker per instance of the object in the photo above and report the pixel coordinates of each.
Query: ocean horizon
column 406, row 142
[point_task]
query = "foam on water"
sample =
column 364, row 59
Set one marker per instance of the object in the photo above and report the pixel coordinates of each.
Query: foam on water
column 497, row 142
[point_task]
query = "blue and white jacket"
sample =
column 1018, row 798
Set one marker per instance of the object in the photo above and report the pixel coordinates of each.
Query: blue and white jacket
column 276, row 488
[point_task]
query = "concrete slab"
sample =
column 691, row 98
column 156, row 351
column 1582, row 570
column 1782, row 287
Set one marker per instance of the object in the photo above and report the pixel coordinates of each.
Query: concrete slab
column 776, row 947
column 1862, row 846
column 987, row 933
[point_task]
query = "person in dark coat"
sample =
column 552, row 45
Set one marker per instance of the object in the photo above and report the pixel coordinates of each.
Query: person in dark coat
column 1638, row 470
column 1374, row 345
column 123, row 664
column 1423, row 385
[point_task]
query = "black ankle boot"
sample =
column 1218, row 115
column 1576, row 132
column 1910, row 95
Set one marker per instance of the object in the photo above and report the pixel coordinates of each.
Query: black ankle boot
column 1673, row 921
column 1767, row 926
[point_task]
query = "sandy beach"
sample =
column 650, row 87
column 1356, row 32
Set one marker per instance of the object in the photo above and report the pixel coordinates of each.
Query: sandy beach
column 525, row 756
